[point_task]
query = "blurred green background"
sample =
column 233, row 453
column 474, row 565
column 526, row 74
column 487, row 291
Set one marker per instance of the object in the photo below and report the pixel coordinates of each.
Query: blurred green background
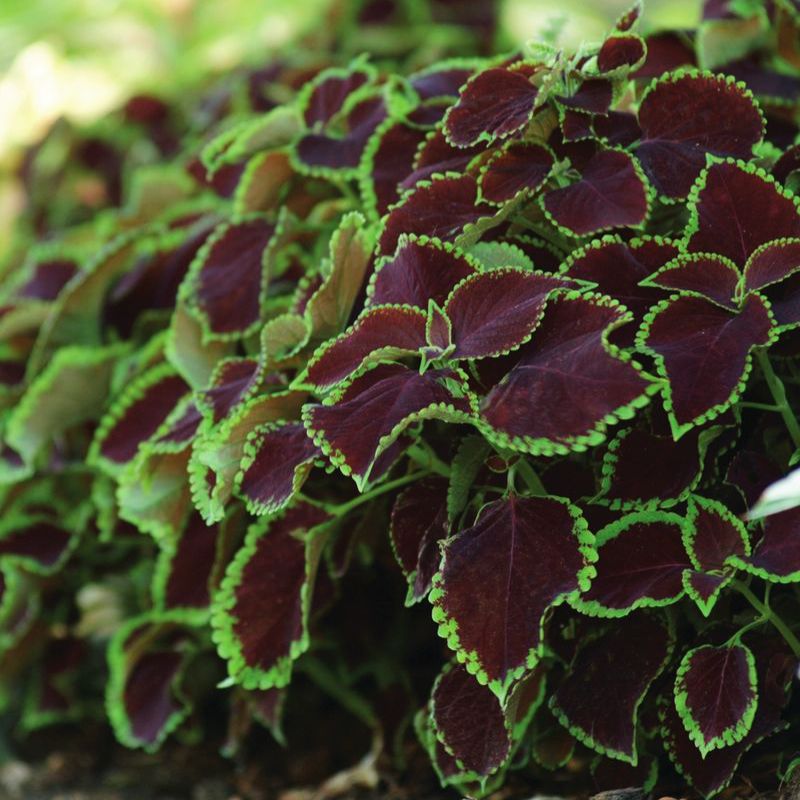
column 81, row 58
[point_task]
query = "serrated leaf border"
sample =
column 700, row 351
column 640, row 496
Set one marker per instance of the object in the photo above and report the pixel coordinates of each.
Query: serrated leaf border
column 594, row 608
column 595, row 436
column 526, row 191
column 586, row 738
column 421, row 240
column 187, row 293
column 378, row 355
column 447, row 627
column 440, row 734
column 252, row 445
column 117, row 409
column 650, row 195
column 729, row 736
column 680, row 428
column 115, row 687
column 442, row 411
column 224, row 601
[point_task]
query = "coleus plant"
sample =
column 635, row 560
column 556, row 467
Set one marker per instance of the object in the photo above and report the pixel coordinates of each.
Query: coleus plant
column 516, row 334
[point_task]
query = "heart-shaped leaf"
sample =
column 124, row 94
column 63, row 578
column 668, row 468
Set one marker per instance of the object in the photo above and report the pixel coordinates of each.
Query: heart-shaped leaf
column 624, row 659
column 499, row 578
column 568, row 383
column 359, row 421
column 716, row 695
column 276, row 462
column 686, row 115
column 469, row 721
column 494, row 103
column 495, row 312
column 418, row 525
column 260, row 616
column 641, row 561
column 611, row 193
column 382, row 333
column 704, row 352
column 420, row 270
column 735, row 208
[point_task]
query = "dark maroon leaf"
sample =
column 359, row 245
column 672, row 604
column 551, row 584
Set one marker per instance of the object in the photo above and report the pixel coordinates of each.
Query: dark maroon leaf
column 418, row 525
column 330, row 91
column 495, row 312
column 787, row 164
column 641, row 467
column 566, row 384
column 48, row 279
column 716, row 535
column 617, row 128
column 469, row 721
column 784, row 301
column 154, row 279
column 437, row 155
column 716, row 695
column 270, row 597
column 234, row 380
column 420, row 270
column 494, row 103
column 704, row 587
column 276, row 462
column 183, row 428
column 191, row 565
column 620, row 51
column 438, row 333
column 618, row 268
column 440, row 208
column 440, row 81
column 41, row 543
column 140, row 420
column 342, row 152
column 642, row 559
column 392, row 330
column 518, row 167
column 149, row 697
column 703, row 350
column 499, row 578
column 772, row 263
column 684, row 118
column 705, row 274
column 391, row 162
column 592, row 95
column 621, row 664
column 737, row 209
column 629, row 18
column 776, row 555
column 610, row 194
column 665, row 52
column 769, row 84
column 374, row 409
column 576, row 125
column 229, row 281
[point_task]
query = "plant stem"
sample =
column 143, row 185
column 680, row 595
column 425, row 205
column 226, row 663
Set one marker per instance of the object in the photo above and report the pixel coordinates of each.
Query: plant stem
column 425, row 457
column 778, row 392
column 531, row 478
column 345, row 508
column 760, row 406
column 768, row 614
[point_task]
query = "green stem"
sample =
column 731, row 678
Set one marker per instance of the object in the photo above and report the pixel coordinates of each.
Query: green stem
column 425, row 457
column 760, row 406
column 768, row 614
column 346, row 508
column 778, row 391
column 531, row 478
